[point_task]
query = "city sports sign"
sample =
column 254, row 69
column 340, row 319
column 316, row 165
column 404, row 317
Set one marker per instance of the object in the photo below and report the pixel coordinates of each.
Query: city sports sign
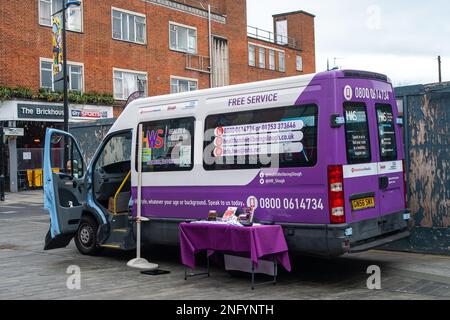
column 57, row 45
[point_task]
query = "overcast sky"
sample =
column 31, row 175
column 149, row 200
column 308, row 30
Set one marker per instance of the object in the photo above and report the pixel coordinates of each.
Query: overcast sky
column 399, row 38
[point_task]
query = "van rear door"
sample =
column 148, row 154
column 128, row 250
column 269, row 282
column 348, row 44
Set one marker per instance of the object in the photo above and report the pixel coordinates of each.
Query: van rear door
column 390, row 169
column 361, row 185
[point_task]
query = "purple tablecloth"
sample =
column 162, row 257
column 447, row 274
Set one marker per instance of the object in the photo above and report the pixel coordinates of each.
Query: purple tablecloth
column 258, row 241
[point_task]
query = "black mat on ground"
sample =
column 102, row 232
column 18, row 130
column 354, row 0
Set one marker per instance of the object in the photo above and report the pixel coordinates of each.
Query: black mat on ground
column 157, row 272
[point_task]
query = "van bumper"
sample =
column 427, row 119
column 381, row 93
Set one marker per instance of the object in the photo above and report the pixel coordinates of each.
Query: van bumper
column 336, row 240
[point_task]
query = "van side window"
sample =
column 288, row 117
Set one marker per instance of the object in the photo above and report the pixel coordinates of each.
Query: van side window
column 357, row 133
column 386, row 132
column 168, row 145
column 278, row 137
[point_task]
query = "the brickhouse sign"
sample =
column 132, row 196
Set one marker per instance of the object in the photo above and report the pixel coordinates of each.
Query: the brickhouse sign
column 34, row 111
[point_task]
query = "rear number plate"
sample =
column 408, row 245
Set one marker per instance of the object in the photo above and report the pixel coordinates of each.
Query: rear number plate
column 364, row 203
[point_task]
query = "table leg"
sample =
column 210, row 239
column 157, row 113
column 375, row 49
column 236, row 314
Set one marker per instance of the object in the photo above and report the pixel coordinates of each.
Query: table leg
column 275, row 269
column 275, row 274
column 253, row 275
column 207, row 273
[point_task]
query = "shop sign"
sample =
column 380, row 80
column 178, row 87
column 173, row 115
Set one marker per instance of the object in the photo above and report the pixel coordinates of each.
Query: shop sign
column 82, row 113
column 35, row 111
column 16, row 132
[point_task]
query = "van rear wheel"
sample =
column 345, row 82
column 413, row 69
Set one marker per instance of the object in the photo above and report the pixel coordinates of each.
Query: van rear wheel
column 86, row 237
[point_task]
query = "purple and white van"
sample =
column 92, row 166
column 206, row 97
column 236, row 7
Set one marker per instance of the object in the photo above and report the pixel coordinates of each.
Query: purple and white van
column 320, row 155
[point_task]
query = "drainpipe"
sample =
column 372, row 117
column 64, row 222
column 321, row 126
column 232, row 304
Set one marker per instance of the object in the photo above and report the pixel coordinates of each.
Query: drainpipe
column 210, row 48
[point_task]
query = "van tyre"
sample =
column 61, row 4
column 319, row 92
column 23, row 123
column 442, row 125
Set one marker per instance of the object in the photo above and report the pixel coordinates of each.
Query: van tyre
column 86, row 237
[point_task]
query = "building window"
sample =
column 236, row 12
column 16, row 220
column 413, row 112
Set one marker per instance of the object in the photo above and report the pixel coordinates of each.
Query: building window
column 281, row 62
column 251, row 55
column 178, row 85
column 299, row 63
column 272, row 59
column 262, row 58
column 282, row 32
column 128, row 26
column 55, row 82
column 127, row 82
column 183, row 38
column 74, row 14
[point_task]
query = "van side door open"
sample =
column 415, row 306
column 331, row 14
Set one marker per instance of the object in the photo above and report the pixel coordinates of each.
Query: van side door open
column 64, row 189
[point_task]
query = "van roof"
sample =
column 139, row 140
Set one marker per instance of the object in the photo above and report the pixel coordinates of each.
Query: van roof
column 232, row 89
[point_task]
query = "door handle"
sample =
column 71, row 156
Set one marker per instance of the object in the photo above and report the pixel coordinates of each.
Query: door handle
column 383, row 183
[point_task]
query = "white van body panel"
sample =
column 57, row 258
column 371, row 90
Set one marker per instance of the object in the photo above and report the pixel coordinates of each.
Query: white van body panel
column 200, row 104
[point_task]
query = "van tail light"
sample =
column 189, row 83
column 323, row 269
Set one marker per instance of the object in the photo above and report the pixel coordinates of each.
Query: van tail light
column 405, row 191
column 336, row 194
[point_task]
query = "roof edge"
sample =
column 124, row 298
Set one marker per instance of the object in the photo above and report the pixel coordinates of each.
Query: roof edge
column 293, row 12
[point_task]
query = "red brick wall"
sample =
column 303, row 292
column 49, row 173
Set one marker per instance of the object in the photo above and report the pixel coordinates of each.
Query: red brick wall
column 301, row 28
column 258, row 74
column 23, row 41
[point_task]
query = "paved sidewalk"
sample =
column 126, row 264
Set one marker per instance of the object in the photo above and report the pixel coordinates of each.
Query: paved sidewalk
column 28, row 272
column 25, row 197
column 23, row 203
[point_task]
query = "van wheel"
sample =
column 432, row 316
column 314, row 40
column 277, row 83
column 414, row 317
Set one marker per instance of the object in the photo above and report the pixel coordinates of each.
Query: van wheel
column 86, row 237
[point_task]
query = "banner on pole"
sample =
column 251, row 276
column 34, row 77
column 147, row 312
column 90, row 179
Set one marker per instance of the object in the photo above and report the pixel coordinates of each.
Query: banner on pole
column 57, row 45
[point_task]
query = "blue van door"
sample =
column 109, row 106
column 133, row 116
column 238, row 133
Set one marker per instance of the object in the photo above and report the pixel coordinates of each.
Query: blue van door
column 64, row 188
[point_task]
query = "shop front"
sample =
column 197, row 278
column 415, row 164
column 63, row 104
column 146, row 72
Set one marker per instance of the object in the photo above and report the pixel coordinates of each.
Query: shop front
column 24, row 125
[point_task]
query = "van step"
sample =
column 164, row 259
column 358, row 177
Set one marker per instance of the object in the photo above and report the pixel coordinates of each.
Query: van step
column 111, row 246
column 123, row 230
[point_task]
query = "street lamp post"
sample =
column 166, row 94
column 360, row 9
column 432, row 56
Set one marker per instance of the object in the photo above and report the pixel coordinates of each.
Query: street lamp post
column 66, row 5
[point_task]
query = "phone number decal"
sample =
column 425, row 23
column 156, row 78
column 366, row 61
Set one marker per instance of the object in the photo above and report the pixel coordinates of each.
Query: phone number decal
column 291, row 203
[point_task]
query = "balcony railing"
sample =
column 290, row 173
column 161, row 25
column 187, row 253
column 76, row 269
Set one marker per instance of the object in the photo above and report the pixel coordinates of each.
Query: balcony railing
column 198, row 63
column 269, row 36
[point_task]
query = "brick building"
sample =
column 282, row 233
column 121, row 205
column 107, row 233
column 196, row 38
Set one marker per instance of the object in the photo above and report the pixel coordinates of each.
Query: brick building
column 117, row 47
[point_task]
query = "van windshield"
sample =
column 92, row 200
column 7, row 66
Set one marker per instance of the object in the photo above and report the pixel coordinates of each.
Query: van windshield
column 357, row 134
column 386, row 133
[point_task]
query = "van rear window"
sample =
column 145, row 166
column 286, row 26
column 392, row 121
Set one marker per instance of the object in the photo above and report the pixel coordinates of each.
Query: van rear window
column 357, row 134
column 386, row 132
column 278, row 137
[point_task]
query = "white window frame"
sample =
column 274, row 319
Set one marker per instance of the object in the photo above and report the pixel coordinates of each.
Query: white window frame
column 171, row 23
column 272, row 60
column 261, row 58
column 282, row 35
column 51, row 14
column 252, row 49
column 137, row 14
column 299, row 63
column 69, row 64
column 281, row 66
column 182, row 79
column 143, row 73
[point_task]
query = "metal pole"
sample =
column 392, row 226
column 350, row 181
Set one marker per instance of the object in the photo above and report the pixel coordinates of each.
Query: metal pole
column 139, row 195
column 2, row 166
column 440, row 69
column 65, row 87
column 211, row 67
